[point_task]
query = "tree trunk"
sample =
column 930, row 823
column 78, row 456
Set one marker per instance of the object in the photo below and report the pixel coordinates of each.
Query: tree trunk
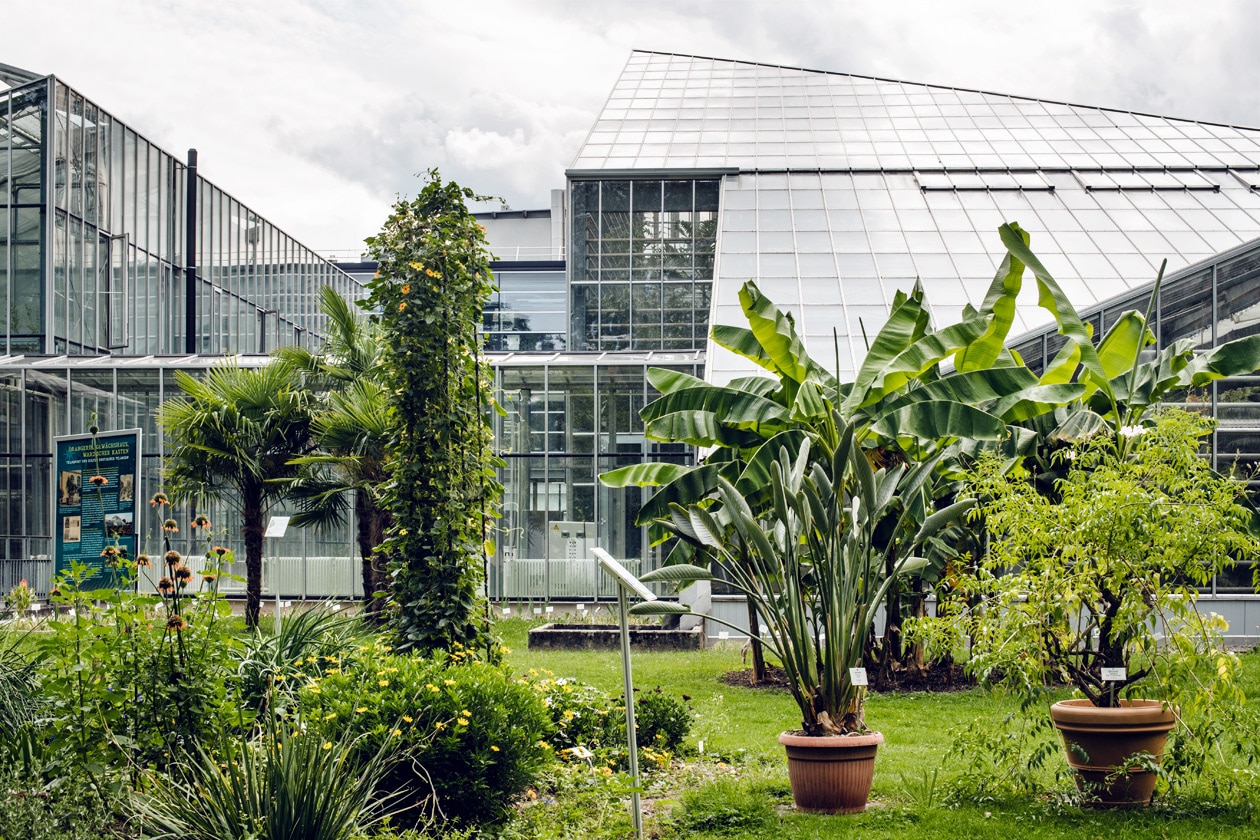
column 252, row 534
column 754, row 639
column 373, row 522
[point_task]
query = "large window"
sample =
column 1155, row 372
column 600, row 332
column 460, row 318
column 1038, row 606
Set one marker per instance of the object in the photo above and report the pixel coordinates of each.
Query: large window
column 642, row 263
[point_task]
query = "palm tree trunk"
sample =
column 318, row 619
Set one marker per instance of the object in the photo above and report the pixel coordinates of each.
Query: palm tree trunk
column 252, row 534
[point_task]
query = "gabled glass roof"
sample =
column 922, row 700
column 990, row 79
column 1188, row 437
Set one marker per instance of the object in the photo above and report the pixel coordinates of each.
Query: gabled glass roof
column 677, row 111
column 849, row 188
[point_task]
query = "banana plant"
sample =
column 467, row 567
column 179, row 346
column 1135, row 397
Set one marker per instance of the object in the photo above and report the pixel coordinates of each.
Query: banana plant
column 812, row 562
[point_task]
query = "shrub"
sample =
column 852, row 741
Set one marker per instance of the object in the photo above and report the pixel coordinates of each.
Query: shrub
column 590, row 725
column 274, row 665
column 32, row 812
column 286, row 784
column 473, row 736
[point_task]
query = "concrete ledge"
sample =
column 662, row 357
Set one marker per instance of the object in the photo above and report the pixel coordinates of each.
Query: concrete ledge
column 608, row 637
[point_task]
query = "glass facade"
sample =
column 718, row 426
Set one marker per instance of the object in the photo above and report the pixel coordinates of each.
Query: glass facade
column 95, row 227
column 570, row 417
column 93, row 271
column 642, row 263
column 43, row 398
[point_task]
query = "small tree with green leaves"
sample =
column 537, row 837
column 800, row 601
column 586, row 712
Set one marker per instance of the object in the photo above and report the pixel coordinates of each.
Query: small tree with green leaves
column 430, row 290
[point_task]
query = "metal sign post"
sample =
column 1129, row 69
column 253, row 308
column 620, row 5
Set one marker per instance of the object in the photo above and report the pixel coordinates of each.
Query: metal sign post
column 276, row 526
column 627, row 581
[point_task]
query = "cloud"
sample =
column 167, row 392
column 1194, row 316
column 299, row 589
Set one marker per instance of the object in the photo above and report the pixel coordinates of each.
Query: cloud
column 318, row 113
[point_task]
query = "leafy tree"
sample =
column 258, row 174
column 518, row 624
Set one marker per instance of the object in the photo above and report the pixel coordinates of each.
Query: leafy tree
column 430, row 290
column 233, row 437
column 351, row 431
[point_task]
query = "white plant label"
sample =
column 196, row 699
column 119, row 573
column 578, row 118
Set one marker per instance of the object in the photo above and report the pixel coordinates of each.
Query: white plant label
column 581, row 607
column 537, row 610
column 550, row 610
column 507, row 610
column 723, row 634
column 1114, row 675
column 857, row 676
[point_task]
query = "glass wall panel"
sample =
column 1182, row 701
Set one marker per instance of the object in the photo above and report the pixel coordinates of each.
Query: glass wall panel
column 643, row 233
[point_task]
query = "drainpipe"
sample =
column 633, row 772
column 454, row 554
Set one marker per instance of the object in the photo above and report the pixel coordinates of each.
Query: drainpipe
column 190, row 256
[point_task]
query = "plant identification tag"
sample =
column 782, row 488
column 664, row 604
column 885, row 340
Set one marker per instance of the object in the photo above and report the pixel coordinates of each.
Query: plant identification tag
column 550, row 610
column 507, row 610
column 537, row 610
column 857, row 676
column 581, row 607
column 1114, row 675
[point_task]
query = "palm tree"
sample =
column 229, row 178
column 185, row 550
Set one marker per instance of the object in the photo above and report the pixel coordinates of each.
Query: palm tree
column 352, row 433
column 233, row 437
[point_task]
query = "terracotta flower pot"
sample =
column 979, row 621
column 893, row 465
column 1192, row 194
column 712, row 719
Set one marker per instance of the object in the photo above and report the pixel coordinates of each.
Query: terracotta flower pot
column 831, row 774
column 1100, row 741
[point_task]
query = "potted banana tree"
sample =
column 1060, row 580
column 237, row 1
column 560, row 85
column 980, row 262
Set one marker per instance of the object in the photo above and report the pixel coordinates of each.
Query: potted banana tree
column 816, row 565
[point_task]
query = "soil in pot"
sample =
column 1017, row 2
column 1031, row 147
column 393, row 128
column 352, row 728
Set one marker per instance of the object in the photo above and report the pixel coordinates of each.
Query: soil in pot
column 831, row 774
column 1101, row 744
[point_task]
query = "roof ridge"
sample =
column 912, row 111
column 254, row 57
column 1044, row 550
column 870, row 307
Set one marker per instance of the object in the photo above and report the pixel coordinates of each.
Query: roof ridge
column 950, row 87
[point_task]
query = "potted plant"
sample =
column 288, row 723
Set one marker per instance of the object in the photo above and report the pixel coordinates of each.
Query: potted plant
column 816, row 566
column 1093, row 582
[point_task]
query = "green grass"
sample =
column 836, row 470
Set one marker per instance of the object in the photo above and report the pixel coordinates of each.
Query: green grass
column 739, row 727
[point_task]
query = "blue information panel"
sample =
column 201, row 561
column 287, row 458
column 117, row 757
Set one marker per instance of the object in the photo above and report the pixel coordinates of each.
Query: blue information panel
column 97, row 484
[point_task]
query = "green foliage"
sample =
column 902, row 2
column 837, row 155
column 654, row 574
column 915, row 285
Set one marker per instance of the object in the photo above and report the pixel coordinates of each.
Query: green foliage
column 232, row 437
column 590, row 724
column 286, row 784
column 274, row 666
column 1106, row 574
column 726, row 807
column 816, row 564
column 131, row 680
column 31, row 811
column 19, row 692
column 351, row 429
column 473, row 736
column 660, row 720
column 431, row 286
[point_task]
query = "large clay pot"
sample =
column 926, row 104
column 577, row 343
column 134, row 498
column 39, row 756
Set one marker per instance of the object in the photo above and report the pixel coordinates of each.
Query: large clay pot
column 1099, row 741
column 831, row 774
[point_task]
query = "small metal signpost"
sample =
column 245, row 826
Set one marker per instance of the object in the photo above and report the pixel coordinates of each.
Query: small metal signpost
column 627, row 582
column 276, row 526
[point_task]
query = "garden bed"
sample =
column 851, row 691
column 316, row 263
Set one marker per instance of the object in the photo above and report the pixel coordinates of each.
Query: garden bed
column 608, row 637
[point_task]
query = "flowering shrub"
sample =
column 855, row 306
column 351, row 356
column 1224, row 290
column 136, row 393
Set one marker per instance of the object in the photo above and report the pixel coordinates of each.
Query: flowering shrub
column 474, row 737
column 590, row 725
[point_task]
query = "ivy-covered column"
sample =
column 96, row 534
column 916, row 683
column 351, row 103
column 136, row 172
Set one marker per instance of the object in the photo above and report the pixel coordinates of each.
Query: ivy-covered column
column 430, row 290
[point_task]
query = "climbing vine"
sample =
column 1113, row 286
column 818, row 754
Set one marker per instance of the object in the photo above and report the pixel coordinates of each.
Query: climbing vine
column 429, row 292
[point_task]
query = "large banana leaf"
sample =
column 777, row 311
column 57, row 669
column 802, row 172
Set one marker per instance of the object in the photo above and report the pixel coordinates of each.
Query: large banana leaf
column 735, row 407
column 1051, row 298
column 667, row 381
column 686, row 489
column 1000, row 302
column 938, row 420
column 651, row 474
column 698, row 428
column 907, row 323
column 1234, row 358
column 1124, row 341
column 775, row 331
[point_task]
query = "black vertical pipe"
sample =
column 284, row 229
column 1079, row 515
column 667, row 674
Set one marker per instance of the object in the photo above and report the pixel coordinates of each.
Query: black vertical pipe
column 190, row 256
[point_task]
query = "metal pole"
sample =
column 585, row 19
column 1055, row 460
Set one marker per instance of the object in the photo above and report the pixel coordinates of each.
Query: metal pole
column 631, row 732
column 190, row 255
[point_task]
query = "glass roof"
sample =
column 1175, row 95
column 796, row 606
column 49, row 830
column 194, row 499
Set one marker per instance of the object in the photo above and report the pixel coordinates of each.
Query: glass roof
column 851, row 188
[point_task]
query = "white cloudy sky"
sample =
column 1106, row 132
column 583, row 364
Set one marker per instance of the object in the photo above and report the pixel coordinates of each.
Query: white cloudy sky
column 319, row 113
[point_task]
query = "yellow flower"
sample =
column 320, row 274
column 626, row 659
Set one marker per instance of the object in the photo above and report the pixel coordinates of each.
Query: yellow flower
column 328, row 745
column 360, row 710
column 462, row 721
column 466, row 713
column 395, row 732
column 450, row 682
column 402, row 306
column 408, row 719
column 406, row 290
column 314, row 689
column 382, row 683
column 439, row 725
column 494, row 748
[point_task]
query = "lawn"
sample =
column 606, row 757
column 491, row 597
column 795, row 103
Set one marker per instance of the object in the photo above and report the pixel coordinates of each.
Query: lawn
column 738, row 785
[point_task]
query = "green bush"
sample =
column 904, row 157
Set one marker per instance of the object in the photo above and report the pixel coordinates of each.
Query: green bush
column 29, row 811
column 660, row 720
column 590, row 725
column 473, row 736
